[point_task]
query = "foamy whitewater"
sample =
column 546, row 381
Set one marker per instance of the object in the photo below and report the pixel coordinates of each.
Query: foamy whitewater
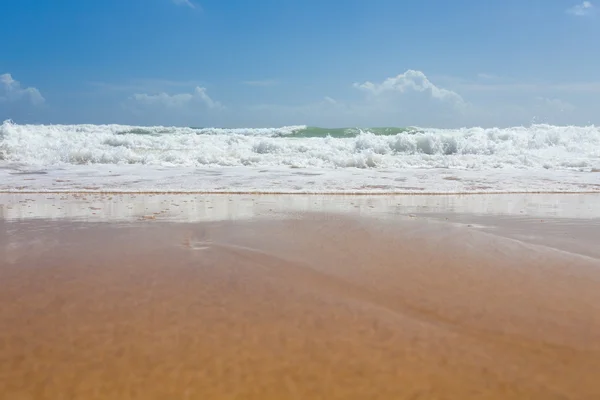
column 298, row 159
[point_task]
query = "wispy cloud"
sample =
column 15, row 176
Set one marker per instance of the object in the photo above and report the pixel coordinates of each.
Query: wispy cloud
column 186, row 3
column 144, row 85
column 11, row 91
column 569, row 87
column 264, row 82
column 496, row 83
column 177, row 101
column 581, row 10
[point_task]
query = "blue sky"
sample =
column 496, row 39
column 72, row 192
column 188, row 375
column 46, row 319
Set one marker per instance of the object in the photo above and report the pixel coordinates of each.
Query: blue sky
column 283, row 62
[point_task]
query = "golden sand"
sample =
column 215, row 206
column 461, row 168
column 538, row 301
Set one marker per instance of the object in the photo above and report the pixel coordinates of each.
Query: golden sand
column 316, row 307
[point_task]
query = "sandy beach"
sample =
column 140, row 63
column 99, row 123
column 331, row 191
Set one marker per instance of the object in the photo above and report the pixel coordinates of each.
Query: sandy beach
column 299, row 297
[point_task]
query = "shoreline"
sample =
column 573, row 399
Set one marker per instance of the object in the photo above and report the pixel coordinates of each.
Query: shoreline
column 292, row 193
column 290, row 180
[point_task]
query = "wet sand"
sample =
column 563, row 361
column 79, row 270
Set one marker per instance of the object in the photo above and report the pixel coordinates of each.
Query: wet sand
column 295, row 306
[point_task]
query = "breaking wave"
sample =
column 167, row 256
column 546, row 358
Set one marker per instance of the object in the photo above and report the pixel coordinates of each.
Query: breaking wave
column 533, row 147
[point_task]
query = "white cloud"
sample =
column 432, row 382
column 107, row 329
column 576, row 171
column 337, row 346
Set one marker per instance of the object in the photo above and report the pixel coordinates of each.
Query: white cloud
column 581, row 10
column 177, row 101
column 410, row 82
column 264, row 82
column 330, row 100
column 186, row 3
column 11, row 92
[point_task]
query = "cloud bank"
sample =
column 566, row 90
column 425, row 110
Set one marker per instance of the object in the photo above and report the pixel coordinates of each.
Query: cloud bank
column 410, row 98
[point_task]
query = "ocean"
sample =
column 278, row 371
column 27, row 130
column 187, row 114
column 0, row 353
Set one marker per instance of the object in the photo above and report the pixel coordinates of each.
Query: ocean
column 298, row 159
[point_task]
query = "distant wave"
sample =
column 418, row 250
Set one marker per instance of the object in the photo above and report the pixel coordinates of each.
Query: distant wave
column 534, row 147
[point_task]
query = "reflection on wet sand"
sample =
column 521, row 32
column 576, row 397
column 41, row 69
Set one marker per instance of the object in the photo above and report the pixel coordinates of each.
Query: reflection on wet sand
column 203, row 207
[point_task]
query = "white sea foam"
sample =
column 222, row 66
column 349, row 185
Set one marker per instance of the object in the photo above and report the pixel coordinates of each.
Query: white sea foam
column 543, row 151
column 538, row 146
